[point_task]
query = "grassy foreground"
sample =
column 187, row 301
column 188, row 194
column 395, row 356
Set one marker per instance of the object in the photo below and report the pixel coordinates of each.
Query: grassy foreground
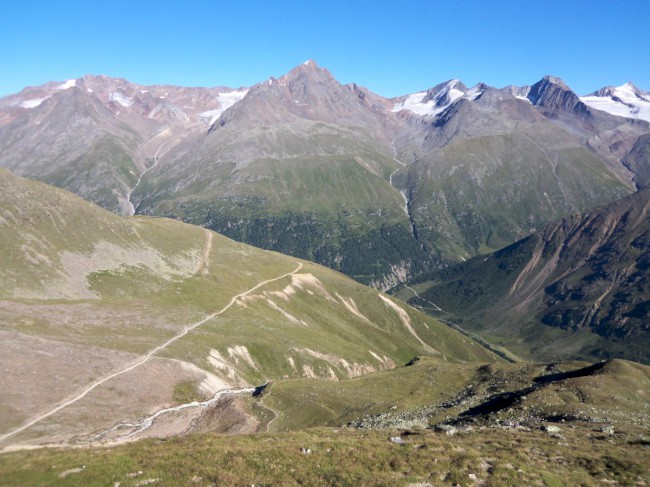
column 344, row 456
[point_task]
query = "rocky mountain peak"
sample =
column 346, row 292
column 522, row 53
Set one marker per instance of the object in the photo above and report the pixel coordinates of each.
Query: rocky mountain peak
column 445, row 93
column 308, row 70
column 552, row 94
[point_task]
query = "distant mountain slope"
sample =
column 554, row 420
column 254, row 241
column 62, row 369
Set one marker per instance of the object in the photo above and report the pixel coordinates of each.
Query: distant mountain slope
column 492, row 168
column 380, row 189
column 86, row 294
column 624, row 101
column 97, row 135
column 301, row 165
column 578, row 288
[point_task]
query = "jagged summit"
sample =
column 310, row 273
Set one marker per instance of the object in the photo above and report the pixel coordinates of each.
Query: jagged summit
column 552, row 94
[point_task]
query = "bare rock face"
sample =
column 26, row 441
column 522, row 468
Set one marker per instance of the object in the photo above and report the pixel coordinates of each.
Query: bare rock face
column 638, row 161
column 551, row 94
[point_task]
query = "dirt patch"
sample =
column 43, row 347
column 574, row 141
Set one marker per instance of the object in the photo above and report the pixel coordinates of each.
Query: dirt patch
column 406, row 321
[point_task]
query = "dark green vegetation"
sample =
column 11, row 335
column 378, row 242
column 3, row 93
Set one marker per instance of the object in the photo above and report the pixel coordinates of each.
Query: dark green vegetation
column 332, row 210
column 595, row 417
column 578, row 288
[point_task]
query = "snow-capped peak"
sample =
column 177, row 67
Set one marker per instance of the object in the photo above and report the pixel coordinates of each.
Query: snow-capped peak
column 435, row 100
column 624, row 101
column 68, row 84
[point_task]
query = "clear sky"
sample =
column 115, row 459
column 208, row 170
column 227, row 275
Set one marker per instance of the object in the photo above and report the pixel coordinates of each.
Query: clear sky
column 392, row 47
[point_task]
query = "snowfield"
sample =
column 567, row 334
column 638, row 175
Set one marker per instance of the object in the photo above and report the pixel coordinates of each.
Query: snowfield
column 226, row 100
column 626, row 101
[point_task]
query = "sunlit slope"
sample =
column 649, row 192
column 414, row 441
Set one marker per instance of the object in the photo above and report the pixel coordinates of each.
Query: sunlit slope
column 104, row 291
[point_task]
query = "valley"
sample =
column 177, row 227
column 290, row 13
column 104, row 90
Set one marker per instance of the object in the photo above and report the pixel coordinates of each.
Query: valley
column 304, row 282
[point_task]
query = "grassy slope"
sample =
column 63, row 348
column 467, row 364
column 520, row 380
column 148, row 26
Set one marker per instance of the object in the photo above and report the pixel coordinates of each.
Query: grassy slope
column 72, row 141
column 311, row 190
column 582, row 454
column 578, row 288
column 77, row 274
column 480, row 194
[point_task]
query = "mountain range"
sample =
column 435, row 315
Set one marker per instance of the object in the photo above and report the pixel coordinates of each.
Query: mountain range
column 381, row 189
column 509, row 227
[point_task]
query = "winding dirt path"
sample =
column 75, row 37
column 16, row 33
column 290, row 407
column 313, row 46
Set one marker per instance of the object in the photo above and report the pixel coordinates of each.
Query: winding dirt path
column 436, row 307
column 202, row 264
column 145, row 358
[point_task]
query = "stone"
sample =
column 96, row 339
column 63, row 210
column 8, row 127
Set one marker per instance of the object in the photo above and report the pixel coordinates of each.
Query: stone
column 608, row 430
column 398, row 440
column 447, row 429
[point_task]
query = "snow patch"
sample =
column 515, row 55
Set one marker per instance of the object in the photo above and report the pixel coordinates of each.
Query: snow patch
column 33, row 103
column 226, row 100
column 68, row 84
column 120, row 98
column 416, row 104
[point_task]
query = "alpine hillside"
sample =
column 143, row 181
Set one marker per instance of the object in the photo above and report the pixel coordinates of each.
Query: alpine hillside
column 381, row 189
column 108, row 318
column 578, row 288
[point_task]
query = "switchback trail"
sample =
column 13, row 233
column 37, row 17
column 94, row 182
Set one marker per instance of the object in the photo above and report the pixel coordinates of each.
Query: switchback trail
column 144, row 359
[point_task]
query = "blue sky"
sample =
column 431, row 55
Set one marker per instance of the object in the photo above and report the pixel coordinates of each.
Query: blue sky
column 391, row 47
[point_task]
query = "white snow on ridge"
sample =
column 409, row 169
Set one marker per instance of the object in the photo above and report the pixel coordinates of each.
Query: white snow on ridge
column 415, row 103
column 33, row 103
column 226, row 100
column 120, row 98
column 68, row 84
column 627, row 104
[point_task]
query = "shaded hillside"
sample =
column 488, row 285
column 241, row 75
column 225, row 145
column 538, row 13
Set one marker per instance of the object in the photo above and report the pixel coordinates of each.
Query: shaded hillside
column 578, row 288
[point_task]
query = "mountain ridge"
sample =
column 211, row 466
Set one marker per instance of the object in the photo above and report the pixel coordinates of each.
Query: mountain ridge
column 335, row 173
